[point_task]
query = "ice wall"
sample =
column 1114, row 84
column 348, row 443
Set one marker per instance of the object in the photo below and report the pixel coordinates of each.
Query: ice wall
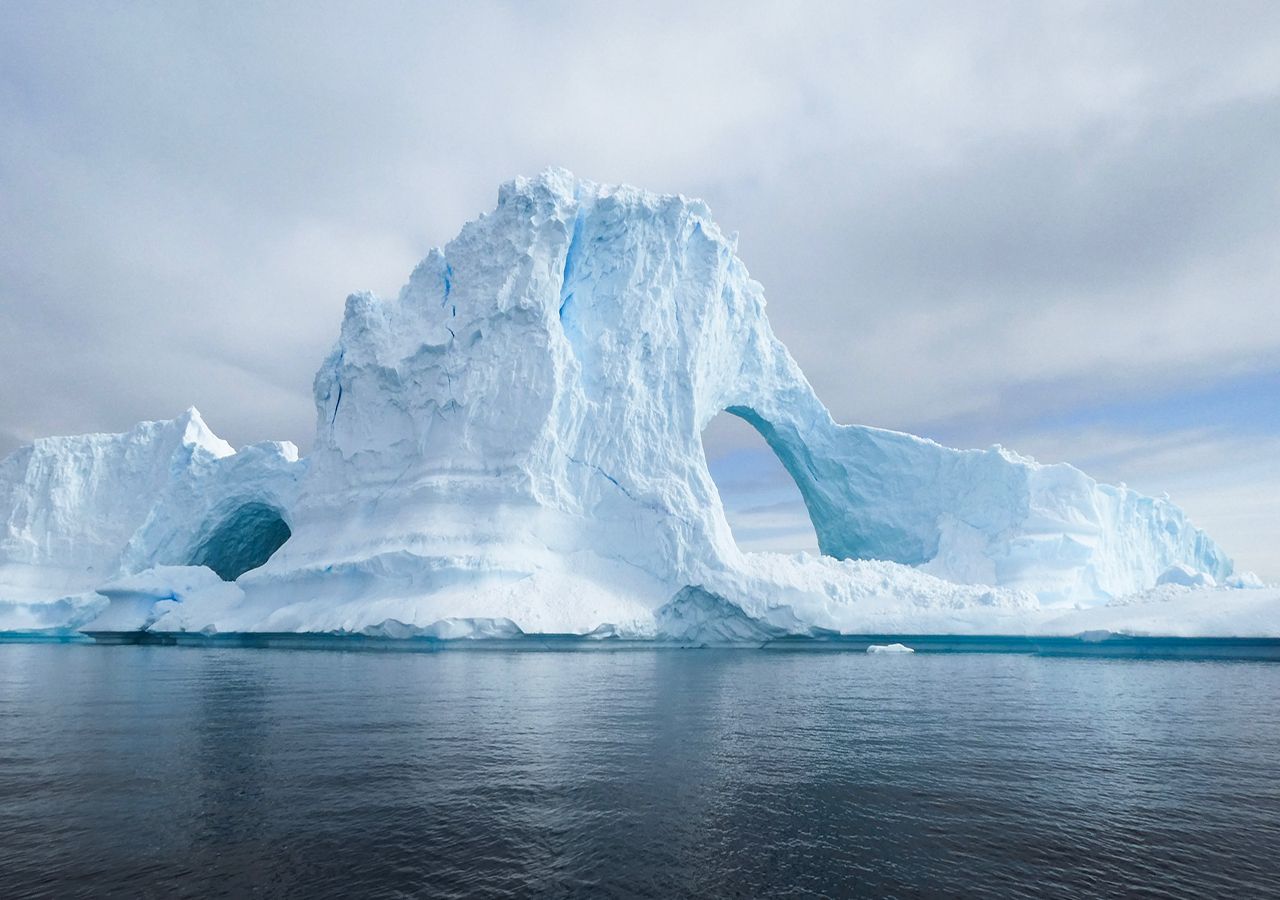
column 81, row 511
column 569, row 348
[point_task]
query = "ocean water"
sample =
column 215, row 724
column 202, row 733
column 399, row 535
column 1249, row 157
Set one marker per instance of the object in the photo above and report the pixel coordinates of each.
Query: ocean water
column 162, row 771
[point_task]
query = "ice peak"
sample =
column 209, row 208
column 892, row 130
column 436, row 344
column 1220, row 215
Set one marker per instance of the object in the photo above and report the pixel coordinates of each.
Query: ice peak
column 195, row 432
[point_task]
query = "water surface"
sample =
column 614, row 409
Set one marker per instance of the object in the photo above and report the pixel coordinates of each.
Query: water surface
column 161, row 770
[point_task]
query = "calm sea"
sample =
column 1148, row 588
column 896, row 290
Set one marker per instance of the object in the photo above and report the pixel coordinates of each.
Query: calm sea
column 161, row 771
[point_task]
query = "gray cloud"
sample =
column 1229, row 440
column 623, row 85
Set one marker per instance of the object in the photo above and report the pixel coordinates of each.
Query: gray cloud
column 965, row 216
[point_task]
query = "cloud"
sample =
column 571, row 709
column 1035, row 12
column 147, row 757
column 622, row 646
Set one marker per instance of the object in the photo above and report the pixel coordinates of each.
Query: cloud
column 966, row 218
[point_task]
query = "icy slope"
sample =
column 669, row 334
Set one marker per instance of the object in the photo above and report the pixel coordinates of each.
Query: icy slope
column 516, row 438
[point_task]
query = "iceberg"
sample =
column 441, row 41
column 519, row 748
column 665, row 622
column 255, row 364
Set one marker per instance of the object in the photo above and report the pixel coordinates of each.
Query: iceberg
column 83, row 511
column 516, row 439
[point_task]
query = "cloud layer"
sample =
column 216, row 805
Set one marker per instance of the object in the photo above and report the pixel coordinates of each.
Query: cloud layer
column 982, row 222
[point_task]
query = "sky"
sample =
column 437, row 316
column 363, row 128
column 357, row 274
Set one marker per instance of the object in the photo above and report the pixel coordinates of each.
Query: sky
column 1049, row 226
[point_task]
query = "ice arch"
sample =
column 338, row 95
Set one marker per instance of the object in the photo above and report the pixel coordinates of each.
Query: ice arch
column 243, row 540
column 558, row 362
column 760, row 497
column 871, row 494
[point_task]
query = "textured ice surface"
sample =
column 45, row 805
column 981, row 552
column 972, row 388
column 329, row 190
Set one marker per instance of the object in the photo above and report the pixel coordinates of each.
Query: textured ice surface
column 1181, row 573
column 516, row 439
column 83, row 511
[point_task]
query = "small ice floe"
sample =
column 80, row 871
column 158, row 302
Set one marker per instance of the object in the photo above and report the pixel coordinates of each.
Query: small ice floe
column 889, row 648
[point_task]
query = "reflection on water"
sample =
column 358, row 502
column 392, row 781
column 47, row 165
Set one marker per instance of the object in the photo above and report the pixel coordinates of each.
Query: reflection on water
column 662, row 773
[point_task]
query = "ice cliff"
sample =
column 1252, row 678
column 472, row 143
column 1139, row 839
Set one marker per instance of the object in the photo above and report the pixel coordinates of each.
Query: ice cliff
column 516, row 438
column 81, row 511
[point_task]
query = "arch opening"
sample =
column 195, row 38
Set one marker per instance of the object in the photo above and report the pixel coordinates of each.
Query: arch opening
column 242, row 541
column 762, row 502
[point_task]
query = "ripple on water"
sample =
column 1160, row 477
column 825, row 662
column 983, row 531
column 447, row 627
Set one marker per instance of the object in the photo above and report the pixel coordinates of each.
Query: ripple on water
column 144, row 770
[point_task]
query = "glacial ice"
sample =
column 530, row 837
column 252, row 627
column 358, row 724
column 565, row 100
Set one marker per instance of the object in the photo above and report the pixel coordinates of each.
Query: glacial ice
column 890, row 648
column 83, row 511
column 513, row 446
column 1185, row 575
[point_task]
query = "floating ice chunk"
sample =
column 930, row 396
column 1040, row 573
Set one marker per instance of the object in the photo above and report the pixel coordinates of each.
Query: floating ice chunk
column 890, row 648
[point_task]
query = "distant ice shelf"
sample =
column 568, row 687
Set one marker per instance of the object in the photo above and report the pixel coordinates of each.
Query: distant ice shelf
column 512, row 446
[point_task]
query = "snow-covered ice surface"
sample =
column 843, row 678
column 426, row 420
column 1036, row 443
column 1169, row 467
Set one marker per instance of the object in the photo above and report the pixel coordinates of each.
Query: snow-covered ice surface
column 513, row 446
column 1178, row 611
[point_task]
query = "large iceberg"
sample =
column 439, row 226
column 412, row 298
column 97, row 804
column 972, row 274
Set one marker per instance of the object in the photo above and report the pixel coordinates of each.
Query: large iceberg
column 516, row 439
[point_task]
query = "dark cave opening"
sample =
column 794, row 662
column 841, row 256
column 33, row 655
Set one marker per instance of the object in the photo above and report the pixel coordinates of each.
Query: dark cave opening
column 243, row 540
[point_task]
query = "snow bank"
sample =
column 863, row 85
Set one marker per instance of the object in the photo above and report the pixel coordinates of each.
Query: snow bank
column 516, row 439
column 162, row 597
column 1179, row 611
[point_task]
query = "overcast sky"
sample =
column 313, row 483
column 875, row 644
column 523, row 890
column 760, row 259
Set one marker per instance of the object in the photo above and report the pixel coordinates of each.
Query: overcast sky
column 1052, row 226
